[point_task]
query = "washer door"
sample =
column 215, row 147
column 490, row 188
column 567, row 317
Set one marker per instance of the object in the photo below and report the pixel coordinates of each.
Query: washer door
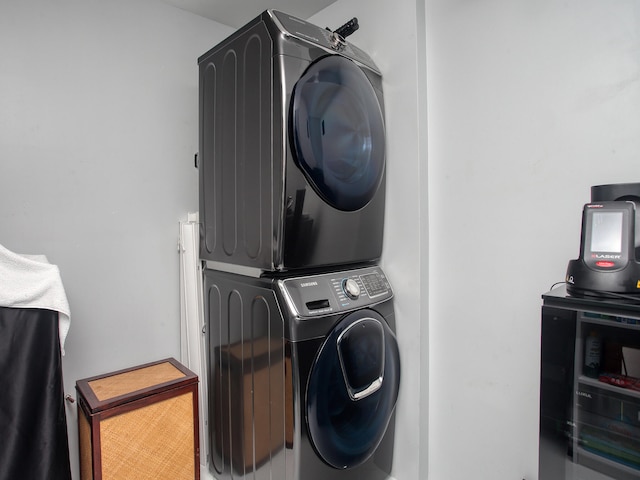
column 337, row 130
column 352, row 389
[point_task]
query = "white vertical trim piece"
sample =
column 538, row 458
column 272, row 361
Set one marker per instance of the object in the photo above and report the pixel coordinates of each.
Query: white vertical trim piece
column 193, row 353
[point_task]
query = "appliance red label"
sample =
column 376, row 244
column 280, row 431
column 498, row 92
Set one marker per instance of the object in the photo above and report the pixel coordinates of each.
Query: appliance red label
column 605, row 264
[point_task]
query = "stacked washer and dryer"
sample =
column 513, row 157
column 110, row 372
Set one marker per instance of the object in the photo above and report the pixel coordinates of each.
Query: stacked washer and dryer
column 303, row 365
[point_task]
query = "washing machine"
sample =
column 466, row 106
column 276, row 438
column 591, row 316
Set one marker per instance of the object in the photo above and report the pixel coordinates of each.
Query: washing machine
column 303, row 375
column 291, row 149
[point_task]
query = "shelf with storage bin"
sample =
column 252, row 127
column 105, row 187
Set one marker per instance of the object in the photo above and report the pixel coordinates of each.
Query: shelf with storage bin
column 587, row 424
column 610, row 320
column 612, row 388
column 606, row 416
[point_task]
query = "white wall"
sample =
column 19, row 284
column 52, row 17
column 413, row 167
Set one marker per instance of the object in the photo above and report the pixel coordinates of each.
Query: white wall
column 98, row 128
column 529, row 104
column 389, row 32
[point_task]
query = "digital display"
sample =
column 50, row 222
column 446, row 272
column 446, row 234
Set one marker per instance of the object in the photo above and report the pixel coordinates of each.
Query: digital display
column 374, row 284
column 606, row 232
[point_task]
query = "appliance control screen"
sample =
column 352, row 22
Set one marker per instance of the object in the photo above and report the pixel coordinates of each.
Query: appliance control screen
column 375, row 284
column 607, row 230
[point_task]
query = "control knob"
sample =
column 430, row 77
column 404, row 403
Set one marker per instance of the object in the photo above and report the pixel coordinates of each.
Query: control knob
column 337, row 41
column 351, row 288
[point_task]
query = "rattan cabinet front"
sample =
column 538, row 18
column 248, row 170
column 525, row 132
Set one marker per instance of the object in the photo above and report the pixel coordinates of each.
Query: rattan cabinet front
column 139, row 424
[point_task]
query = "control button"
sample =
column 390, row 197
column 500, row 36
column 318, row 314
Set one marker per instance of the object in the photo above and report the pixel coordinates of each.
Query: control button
column 375, row 284
column 605, row 264
column 351, row 288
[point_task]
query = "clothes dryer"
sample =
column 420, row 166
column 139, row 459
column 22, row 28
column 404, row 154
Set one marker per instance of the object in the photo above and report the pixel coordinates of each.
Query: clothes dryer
column 291, row 149
column 303, row 375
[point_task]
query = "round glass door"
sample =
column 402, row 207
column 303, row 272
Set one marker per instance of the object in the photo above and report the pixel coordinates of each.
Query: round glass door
column 352, row 389
column 337, row 131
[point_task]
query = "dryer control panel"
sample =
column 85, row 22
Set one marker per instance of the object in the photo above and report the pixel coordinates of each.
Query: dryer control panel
column 329, row 293
column 322, row 37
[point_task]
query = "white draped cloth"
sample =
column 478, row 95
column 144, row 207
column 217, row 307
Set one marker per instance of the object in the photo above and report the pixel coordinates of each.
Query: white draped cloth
column 30, row 281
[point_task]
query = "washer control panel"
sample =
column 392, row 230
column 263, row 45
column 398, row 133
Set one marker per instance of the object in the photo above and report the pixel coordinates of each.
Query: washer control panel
column 323, row 294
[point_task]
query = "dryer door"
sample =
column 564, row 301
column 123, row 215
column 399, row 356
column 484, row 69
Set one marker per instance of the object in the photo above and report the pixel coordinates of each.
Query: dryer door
column 352, row 389
column 337, row 131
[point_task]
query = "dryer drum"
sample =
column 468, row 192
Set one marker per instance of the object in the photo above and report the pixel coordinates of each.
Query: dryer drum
column 338, row 132
column 344, row 430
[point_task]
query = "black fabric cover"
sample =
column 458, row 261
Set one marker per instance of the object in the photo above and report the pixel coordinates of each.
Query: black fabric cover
column 33, row 425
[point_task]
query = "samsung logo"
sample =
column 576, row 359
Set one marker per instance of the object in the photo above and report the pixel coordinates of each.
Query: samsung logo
column 309, row 284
